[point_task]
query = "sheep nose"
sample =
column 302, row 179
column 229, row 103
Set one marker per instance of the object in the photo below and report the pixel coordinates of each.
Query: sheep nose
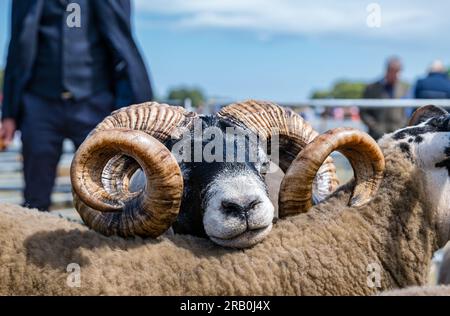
column 234, row 208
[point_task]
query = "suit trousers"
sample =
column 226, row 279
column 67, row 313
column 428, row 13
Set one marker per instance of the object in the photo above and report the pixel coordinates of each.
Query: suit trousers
column 45, row 125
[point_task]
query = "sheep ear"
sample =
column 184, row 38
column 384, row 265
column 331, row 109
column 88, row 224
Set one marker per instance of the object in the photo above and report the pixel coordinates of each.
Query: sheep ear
column 426, row 112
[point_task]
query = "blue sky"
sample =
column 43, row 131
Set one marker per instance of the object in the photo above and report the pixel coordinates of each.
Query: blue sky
column 279, row 49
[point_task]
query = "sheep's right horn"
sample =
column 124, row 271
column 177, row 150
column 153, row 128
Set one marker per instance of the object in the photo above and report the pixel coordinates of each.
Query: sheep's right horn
column 103, row 166
column 361, row 150
column 424, row 113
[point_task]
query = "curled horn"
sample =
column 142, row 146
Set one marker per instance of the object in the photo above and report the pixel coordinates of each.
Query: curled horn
column 102, row 168
column 424, row 113
column 265, row 119
column 360, row 149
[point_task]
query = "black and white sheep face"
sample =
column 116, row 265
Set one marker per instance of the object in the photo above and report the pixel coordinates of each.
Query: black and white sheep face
column 238, row 212
column 225, row 199
column 427, row 144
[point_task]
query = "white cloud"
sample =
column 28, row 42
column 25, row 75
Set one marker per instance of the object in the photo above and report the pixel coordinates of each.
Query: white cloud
column 407, row 19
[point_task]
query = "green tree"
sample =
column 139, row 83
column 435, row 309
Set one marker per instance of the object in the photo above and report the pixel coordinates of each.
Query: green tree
column 342, row 89
column 182, row 93
column 321, row 94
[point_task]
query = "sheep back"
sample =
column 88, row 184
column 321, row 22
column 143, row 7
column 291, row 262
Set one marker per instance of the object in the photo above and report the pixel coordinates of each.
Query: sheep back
column 36, row 249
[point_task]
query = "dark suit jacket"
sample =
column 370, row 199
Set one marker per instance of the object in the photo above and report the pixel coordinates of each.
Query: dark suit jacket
column 115, row 25
column 383, row 120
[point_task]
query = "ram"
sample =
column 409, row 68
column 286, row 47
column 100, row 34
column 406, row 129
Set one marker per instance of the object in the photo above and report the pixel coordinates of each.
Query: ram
column 204, row 174
column 374, row 234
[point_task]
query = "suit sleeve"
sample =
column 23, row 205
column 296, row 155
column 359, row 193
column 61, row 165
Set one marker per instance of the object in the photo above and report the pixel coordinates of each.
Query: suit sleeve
column 7, row 111
column 126, row 7
column 368, row 116
column 417, row 90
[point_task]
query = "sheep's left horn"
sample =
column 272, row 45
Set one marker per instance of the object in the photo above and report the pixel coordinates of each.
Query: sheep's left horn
column 148, row 212
column 103, row 167
column 361, row 150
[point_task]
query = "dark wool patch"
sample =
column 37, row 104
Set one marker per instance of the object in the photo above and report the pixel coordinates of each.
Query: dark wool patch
column 447, row 151
column 405, row 148
column 437, row 124
column 444, row 164
column 416, row 131
column 418, row 139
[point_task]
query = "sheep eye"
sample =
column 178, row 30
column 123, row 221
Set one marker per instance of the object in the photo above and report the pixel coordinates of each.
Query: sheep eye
column 265, row 166
column 434, row 122
column 437, row 122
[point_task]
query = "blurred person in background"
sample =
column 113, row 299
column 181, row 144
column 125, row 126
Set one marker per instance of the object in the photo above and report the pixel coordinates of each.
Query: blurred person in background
column 63, row 77
column 436, row 85
column 385, row 120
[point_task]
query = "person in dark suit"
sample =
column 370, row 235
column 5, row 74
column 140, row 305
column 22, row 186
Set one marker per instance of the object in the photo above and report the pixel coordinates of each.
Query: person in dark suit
column 385, row 120
column 436, row 85
column 62, row 78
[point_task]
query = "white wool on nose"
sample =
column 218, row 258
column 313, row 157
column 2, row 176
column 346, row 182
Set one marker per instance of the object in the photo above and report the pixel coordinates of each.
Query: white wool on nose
column 241, row 189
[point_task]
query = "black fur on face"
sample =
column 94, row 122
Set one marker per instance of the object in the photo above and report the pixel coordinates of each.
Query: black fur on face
column 406, row 149
column 197, row 176
column 429, row 119
column 446, row 162
column 433, row 125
